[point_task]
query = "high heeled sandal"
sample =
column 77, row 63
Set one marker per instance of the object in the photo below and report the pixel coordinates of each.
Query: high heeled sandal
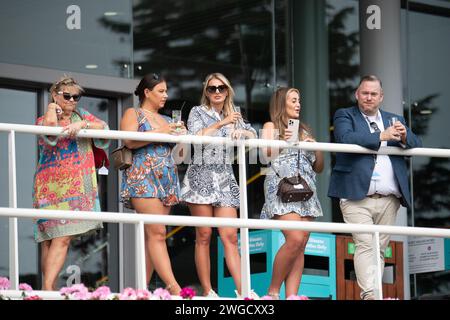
column 169, row 288
column 274, row 295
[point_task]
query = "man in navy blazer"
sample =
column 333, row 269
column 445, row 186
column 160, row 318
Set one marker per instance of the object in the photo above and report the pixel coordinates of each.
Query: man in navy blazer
column 370, row 187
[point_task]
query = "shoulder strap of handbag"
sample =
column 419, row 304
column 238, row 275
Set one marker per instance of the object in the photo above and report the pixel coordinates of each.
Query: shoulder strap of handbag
column 298, row 164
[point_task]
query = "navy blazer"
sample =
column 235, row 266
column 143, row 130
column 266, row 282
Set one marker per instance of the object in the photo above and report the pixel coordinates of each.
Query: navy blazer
column 351, row 175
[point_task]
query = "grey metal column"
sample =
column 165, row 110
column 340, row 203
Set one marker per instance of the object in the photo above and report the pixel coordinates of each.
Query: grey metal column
column 310, row 76
column 380, row 54
column 380, row 47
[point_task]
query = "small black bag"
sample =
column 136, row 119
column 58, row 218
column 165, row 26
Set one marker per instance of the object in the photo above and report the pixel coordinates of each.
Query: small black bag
column 293, row 189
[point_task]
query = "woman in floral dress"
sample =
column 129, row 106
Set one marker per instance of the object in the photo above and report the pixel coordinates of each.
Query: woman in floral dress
column 150, row 185
column 65, row 177
column 289, row 261
column 209, row 187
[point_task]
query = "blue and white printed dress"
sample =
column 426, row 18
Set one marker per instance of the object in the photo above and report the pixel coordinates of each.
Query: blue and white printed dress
column 287, row 164
column 209, row 179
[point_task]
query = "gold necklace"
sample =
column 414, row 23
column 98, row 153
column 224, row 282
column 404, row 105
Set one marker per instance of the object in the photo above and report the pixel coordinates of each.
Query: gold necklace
column 152, row 116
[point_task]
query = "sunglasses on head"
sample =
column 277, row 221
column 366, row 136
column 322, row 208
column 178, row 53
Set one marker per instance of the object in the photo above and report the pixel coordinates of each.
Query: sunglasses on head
column 213, row 89
column 67, row 96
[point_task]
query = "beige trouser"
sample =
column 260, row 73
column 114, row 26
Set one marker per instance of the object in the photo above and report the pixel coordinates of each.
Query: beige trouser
column 369, row 211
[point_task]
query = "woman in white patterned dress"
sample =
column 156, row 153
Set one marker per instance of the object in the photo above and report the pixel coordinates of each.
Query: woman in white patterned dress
column 209, row 187
column 289, row 261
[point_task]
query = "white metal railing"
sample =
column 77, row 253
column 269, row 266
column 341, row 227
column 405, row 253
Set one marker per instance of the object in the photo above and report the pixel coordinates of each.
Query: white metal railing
column 243, row 222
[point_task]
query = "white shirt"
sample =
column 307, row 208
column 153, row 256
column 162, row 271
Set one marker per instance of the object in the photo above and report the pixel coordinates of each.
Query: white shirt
column 383, row 179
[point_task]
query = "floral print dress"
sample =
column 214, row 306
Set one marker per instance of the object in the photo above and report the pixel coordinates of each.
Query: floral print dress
column 65, row 179
column 153, row 173
column 209, row 179
column 288, row 163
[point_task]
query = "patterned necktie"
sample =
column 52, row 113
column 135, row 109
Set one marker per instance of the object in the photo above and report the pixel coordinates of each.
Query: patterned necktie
column 373, row 125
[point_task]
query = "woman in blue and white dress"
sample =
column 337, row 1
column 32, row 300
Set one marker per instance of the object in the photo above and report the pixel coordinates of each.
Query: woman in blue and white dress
column 209, row 187
column 289, row 261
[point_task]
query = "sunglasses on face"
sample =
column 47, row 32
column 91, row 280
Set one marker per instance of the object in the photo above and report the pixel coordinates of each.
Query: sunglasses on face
column 213, row 89
column 67, row 96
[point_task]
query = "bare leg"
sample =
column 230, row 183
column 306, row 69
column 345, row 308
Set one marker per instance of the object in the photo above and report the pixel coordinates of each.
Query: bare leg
column 156, row 244
column 56, row 257
column 45, row 246
column 287, row 256
column 230, row 245
column 148, row 263
column 202, row 246
column 294, row 277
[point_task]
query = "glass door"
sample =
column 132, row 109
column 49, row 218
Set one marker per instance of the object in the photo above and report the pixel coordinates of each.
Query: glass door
column 19, row 106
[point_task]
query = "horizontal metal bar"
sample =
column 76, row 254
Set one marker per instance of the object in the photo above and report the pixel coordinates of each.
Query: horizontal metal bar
column 175, row 220
column 252, row 143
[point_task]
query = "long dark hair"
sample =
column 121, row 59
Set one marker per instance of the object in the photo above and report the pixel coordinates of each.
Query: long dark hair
column 149, row 81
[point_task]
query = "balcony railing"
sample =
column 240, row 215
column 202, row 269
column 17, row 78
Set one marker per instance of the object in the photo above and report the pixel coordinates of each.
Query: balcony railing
column 243, row 222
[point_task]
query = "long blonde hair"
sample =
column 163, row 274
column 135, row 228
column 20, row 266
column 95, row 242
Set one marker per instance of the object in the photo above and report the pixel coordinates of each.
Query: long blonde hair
column 228, row 105
column 278, row 114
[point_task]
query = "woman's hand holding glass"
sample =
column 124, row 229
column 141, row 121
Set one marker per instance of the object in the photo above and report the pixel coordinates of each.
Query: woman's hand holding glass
column 175, row 129
column 180, row 128
column 233, row 117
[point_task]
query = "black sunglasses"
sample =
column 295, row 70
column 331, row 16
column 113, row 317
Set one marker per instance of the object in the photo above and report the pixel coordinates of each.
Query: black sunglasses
column 213, row 89
column 67, row 96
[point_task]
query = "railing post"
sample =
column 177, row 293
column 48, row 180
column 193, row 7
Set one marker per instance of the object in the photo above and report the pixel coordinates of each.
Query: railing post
column 378, row 272
column 13, row 229
column 140, row 256
column 245, row 252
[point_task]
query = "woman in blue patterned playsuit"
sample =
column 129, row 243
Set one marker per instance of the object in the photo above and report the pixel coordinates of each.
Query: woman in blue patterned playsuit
column 151, row 184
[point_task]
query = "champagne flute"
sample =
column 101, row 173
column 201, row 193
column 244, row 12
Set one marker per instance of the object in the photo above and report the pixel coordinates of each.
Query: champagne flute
column 237, row 134
column 238, row 110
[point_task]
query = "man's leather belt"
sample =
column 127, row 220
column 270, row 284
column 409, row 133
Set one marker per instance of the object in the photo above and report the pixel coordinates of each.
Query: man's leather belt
column 377, row 196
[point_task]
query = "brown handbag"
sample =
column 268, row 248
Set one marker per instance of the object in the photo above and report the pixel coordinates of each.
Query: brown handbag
column 122, row 158
column 293, row 189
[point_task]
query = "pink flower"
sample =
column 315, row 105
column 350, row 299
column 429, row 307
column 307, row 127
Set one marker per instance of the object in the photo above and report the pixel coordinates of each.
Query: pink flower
column 161, row 294
column 248, row 298
column 4, row 283
column 25, row 287
column 187, row 293
column 32, row 298
column 102, row 293
column 77, row 291
column 128, row 294
column 143, row 295
column 294, row 297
